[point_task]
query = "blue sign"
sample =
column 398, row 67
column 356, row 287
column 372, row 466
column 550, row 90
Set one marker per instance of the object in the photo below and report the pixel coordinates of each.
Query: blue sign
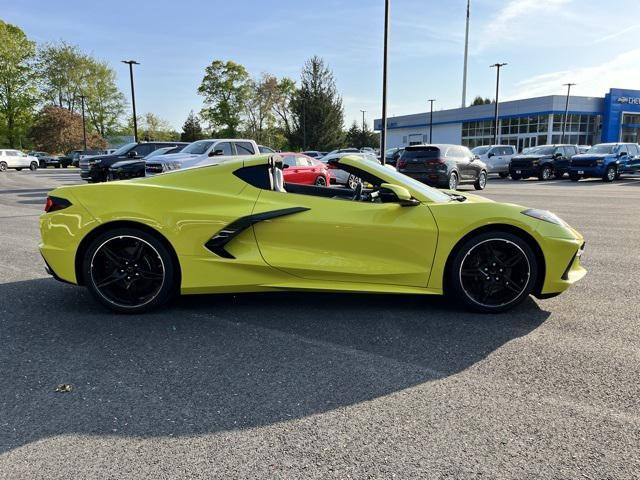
column 617, row 102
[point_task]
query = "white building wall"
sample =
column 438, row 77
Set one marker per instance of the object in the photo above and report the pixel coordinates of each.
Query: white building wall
column 401, row 137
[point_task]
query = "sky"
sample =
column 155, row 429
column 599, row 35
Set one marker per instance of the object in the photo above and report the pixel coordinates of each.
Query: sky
column 545, row 42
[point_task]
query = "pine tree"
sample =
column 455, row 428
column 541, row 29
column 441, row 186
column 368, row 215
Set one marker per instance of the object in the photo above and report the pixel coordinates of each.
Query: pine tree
column 191, row 130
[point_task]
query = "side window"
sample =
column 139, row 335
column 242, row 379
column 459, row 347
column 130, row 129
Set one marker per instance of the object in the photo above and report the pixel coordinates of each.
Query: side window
column 302, row 162
column 289, row 160
column 257, row 175
column 225, row 147
column 634, row 150
column 144, row 149
column 244, row 148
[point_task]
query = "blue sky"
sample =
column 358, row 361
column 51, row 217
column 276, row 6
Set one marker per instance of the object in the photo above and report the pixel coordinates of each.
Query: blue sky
column 546, row 43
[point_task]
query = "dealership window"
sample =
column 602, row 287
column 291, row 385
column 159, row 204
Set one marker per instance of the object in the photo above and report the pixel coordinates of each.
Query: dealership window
column 511, row 129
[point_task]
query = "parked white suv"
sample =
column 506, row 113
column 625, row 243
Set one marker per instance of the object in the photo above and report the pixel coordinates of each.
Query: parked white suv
column 203, row 152
column 497, row 157
column 16, row 159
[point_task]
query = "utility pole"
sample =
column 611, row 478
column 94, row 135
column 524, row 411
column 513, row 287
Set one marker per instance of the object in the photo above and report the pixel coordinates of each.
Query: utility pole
column 431, row 120
column 466, row 56
column 304, row 125
column 497, row 66
column 383, row 134
column 363, row 132
column 131, row 63
column 84, row 128
column 566, row 110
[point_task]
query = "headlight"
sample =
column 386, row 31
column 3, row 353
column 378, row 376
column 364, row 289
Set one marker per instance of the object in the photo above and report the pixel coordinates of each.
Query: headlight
column 545, row 215
column 166, row 167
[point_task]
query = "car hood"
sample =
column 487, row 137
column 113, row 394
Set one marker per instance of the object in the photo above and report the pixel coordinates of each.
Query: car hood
column 531, row 157
column 590, row 156
column 173, row 157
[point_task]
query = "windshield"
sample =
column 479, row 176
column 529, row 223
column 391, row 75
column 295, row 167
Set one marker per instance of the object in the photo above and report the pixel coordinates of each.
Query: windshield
column 607, row 149
column 542, row 151
column 124, row 149
column 198, row 148
column 480, row 150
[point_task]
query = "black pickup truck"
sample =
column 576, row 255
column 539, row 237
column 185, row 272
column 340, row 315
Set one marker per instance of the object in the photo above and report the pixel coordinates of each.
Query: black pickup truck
column 544, row 162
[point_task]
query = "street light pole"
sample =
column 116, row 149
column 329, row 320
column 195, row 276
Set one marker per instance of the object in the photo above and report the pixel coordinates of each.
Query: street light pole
column 497, row 66
column 566, row 110
column 131, row 63
column 466, row 56
column 363, row 132
column 84, row 128
column 383, row 135
column 431, row 120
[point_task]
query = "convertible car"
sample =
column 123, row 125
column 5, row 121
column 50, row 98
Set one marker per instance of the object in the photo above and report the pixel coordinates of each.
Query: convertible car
column 238, row 227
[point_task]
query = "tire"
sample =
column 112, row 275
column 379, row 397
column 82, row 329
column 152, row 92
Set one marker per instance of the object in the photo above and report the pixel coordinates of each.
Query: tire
column 18, row 169
column 481, row 182
column 453, row 181
column 515, row 176
column 123, row 260
column 352, row 182
column 320, row 181
column 33, row 166
column 503, row 174
column 546, row 173
column 3, row 166
column 610, row 174
column 492, row 272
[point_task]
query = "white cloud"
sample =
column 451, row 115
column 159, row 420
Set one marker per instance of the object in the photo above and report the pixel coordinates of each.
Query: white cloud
column 619, row 72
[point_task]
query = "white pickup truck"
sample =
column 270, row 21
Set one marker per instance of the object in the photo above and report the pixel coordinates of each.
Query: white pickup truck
column 203, row 152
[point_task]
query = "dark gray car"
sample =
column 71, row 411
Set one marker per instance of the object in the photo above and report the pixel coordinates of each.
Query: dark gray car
column 443, row 165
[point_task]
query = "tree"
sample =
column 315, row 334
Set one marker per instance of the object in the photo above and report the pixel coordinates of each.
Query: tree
column 285, row 93
column 317, row 110
column 260, row 108
column 226, row 90
column 105, row 104
column 58, row 130
column 481, row 101
column 155, row 128
column 17, row 83
column 191, row 130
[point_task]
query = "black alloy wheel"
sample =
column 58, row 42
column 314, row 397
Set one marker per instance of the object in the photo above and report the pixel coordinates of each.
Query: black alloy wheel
column 33, row 166
column 3, row 166
column 321, row 182
column 129, row 271
column 493, row 272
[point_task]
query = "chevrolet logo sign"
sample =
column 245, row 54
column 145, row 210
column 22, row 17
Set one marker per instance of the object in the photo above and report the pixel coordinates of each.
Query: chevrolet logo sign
column 629, row 100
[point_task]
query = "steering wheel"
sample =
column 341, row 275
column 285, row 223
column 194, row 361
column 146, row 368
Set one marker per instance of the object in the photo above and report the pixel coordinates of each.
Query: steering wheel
column 357, row 192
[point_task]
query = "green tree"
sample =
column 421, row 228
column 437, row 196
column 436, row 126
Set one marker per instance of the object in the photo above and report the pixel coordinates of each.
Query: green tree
column 317, row 110
column 105, row 104
column 226, row 89
column 17, row 83
column 481, row 101
column 285, row 92
column 261, row 119
column 191, row 130
column 58, row 130
column 155, row 128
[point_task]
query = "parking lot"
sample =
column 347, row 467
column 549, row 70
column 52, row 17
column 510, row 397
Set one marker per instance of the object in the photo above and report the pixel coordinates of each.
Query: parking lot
column 320, row 385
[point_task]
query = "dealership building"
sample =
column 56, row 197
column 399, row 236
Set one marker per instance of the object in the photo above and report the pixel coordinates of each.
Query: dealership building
column 525, row 123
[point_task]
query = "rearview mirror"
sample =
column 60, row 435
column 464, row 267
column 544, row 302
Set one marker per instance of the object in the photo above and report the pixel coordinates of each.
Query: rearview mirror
column 402, row 194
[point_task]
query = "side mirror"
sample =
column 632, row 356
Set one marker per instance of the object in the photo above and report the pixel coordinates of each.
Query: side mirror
column 491, row 154
column 284, row 165
column 216, row 153
column 557, row 155
column 132, row 154
column 622, row 154
column 402, row 194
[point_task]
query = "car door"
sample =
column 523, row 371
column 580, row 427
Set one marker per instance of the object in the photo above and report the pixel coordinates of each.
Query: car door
column 307, row 169
column 292, row 172
column 466, row 163
column 336, row 240
column 634, row 157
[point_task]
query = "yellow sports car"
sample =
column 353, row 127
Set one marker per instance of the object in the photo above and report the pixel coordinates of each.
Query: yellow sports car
column 237, row 227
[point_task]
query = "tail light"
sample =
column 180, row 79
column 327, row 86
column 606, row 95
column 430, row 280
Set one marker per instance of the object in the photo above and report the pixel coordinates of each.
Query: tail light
column 56, row 203
column 435, row 161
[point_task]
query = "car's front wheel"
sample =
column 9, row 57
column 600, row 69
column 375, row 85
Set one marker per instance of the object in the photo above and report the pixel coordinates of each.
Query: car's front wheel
column 129, row 270
column 3, row 166
column 481, row 181
column 493, row 272
column 352, row 182
column 610, row 174
column 545, row 173
column 33, row 166
column 321, row 182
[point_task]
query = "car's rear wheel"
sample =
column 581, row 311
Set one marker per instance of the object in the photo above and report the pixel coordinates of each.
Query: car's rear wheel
column 545, row 173
column 321, row 182
column 129, row 270
column 3, row 166
column 610, row 174
column 33, row 166
column 493, row 272
column 453, row 181
column 481, row 182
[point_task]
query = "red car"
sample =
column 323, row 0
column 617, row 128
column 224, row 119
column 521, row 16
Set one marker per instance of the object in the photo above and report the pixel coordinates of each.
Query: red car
column 300, row 168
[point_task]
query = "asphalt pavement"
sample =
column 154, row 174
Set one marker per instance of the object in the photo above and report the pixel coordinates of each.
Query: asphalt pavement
column 323, row 385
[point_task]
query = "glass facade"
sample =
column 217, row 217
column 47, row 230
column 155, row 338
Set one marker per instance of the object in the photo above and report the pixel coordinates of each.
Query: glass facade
column 630, row 129
column 532, row 130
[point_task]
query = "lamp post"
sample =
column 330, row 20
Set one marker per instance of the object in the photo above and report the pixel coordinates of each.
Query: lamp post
column 497, row 66
column 466, row 56
column 566, row 110
column 131, row 63
column 383, row 134
column 431, row 100
column 84, row 128
column 363, row 132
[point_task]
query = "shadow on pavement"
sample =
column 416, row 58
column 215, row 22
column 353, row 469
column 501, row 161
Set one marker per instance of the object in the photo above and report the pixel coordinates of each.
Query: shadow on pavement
column 214, row 363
